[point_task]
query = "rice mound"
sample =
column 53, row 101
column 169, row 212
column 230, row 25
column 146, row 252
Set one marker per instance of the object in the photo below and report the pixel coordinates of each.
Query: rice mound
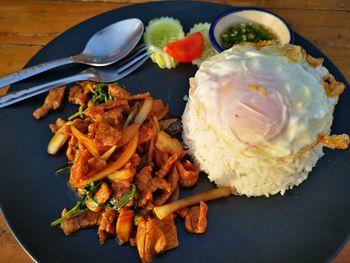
column 248, row 176
column 220, row 158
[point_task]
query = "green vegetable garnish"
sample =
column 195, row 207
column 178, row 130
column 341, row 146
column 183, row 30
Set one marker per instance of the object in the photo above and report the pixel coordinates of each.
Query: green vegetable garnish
column 80, row 206
column 91, row 189
column 128, row 196
column 209, row 51
column 160, row 32
column 101, row 94
column 246, row 32
column 78, row 209
column 62, row 169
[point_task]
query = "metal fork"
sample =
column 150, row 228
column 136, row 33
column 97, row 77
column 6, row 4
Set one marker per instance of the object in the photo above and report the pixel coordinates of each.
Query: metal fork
column 108, row 74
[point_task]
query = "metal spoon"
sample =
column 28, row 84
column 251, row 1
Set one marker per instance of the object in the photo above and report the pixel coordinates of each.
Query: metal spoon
column 105, row 47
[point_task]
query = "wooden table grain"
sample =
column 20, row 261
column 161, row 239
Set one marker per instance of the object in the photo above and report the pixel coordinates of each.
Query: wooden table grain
column 27, row 25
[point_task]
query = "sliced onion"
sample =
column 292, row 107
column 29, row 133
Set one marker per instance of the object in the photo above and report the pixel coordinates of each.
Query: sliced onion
column 120, row 175
column 132, row 114
column 127, row 134
column 59, row 139
column 144, row 111
column 167, row 209
column 166, row 143
column 108, row 153
column 119, row 163
column 86, row 141
column 56, row 142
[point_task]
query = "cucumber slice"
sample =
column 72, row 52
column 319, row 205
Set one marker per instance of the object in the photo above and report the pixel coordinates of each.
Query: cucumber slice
column 160, row 32
column 209, row 51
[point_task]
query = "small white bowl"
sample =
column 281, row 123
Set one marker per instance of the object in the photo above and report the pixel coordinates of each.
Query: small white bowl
column 245, row 15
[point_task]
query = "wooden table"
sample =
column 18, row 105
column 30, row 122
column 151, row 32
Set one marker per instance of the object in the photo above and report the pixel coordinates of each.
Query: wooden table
column 27, row 25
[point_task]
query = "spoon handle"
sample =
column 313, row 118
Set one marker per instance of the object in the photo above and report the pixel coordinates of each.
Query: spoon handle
column 13, row 97
column 31, row 71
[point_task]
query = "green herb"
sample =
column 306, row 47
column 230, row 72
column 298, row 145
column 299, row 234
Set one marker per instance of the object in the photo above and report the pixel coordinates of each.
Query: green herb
column 90, row 190
column 246, row 32
column 101, row 94
column 128, row 196
column 78, row 209
column 62, row 169
column 80, row 206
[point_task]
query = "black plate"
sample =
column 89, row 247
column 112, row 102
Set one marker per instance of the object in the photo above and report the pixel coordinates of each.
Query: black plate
column 309, row 224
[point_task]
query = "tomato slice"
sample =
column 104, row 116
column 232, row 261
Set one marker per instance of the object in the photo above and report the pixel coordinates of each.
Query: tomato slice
column 186, row 49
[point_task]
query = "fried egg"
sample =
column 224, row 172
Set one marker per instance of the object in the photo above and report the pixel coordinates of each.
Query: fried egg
column 265, row 102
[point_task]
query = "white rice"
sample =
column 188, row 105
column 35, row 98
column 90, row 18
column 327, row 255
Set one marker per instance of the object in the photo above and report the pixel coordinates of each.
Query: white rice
column 248, row 176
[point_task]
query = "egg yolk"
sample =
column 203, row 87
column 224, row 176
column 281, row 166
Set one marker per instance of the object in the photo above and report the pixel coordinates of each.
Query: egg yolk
column 255, row 112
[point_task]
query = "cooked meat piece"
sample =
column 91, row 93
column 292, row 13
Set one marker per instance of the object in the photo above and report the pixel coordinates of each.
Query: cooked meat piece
column 107, row 225
column 119, row 189
column 106, row 127
column 168, row 227
column 150, row 240
column 107, row 135
column 142, row 182
column 77, row 96
column 161, row 189
column 85, row 220
column 154, row 236
column 57, row 125
column 52, row 102
column 145, row 134
column 143, row 179
column 189, row 173
column 114, row 118
column 101, row 196
column 160, row 157
column 172, row 179
column 169, row 163
column 171, row 126
column 119, row 93
column 196, row 218
column 80, row 166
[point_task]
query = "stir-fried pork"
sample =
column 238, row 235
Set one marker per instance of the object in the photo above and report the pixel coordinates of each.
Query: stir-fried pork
column 52, row 102
column 85, row 220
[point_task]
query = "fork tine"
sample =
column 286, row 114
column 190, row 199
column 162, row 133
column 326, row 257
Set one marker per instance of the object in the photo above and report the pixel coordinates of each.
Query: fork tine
column 133, row 59
column 132, row 65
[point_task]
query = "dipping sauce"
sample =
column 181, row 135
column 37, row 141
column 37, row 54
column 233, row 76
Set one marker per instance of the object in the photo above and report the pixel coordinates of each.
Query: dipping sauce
column 246, row 32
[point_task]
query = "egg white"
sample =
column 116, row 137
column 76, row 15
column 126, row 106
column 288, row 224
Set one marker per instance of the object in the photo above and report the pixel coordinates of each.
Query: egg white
column 294, row 85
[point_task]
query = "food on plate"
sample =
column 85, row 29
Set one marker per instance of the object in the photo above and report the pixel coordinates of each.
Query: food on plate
column 258, row 116
column 247, row 32
column 52, row 102
column 208, row 51
column 127, row 170
column 186, row 49
column 168, row 45
column 160, row 32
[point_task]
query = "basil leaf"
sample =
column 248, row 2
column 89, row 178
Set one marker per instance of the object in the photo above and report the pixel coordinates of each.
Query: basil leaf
column 78, row 209
column 101, row 94
column 128, row 196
